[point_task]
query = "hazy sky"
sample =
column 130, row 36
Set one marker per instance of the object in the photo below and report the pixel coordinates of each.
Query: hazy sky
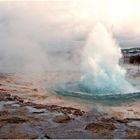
column 29, row 29
column 62, row 22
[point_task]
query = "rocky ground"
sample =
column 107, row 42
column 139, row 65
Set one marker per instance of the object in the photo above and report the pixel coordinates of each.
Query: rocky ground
column 25, row 114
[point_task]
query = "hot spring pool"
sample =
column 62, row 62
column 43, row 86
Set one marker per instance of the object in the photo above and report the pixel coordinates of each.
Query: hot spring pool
column 74, row 89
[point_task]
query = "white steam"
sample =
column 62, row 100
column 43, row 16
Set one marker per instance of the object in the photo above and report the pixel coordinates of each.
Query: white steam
column 46, row 35
column 101, row 70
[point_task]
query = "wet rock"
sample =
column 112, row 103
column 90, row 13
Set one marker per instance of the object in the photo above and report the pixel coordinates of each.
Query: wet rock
column 99, row 126
column 5, row 112
column 133, row 134
column 133, row 119
column 134, row 124
column 126, row 120
column 122, row 120
column 13, row 120
column 103, row 128
column 14, row 132
column 61, row 119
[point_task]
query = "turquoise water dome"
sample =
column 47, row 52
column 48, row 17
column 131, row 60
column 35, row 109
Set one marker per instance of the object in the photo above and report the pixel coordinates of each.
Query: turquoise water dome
column 101, row 72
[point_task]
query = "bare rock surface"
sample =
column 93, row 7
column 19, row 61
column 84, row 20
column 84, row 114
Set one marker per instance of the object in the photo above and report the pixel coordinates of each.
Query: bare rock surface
column 23, row 118
column 61, row 119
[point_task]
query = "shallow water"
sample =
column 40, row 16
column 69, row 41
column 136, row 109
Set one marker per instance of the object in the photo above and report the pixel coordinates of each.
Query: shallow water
column 73, row 89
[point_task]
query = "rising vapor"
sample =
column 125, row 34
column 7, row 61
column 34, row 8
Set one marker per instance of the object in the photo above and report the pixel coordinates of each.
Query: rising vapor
column 33, row 35
column 100, row 66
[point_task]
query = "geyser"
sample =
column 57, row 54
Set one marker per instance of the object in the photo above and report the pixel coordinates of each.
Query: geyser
column 101, row 72
column 102, row 78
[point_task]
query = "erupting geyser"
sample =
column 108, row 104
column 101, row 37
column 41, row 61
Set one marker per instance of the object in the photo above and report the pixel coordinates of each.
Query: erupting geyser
column 101, row 72
column 102, row 78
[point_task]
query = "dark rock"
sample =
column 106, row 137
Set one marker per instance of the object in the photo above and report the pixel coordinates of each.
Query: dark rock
column 103, row 128
column 78, row 113
column 35, row 89
column 18, row 135
column 9, row 98
column 122, row 120
column 46, row 136
column 61, row 119
column 22, row 101
column 13, row 120
column 133, row 134
column 39, row 112
column 127, row 120
column 5, row 112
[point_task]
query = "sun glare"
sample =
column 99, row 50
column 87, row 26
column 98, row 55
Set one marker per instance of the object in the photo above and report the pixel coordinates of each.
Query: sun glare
column 121, row 9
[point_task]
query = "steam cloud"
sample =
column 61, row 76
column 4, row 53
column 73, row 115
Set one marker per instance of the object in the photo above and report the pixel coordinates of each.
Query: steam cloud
column 33, row 35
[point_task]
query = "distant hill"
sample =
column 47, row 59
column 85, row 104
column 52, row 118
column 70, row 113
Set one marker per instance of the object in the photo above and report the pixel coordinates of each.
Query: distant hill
column 133, row 51
column 131, row 56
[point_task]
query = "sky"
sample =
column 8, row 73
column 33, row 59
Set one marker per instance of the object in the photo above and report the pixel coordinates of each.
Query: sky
column 31, row 29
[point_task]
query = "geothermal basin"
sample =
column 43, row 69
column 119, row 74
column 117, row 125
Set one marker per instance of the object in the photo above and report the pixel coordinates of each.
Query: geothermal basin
column 102, row 76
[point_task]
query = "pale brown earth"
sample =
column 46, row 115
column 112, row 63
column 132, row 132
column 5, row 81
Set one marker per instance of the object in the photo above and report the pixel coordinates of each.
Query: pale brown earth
column 30, row 111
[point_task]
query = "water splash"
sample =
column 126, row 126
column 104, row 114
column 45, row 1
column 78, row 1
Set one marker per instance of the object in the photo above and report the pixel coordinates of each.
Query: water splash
column 103, row 79
column 101, row 72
